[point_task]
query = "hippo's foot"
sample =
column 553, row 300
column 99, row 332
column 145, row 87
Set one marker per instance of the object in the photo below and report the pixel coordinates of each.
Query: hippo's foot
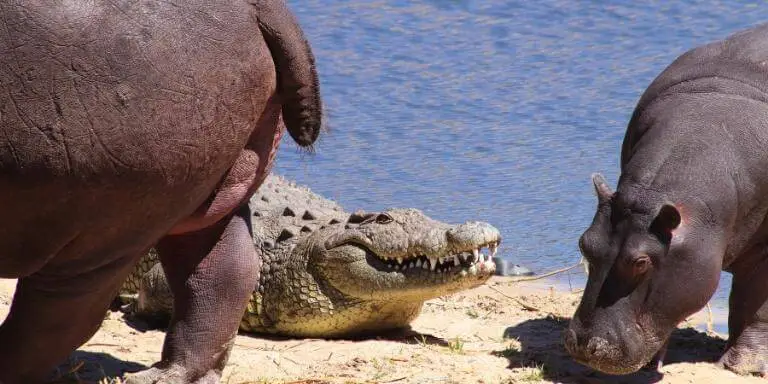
column 747, row 349
column 172, row 375
column 657, row 362
column 747, row 357
column 748, row 353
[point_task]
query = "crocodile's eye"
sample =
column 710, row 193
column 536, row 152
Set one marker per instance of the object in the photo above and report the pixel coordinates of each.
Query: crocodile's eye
column 360, row 217
column 383, row 218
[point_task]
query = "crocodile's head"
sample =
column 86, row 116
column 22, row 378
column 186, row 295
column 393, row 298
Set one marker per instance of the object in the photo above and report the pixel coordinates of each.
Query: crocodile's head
column 402, row 255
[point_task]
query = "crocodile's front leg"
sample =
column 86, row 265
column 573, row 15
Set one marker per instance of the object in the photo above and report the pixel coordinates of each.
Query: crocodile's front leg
column 211, row 274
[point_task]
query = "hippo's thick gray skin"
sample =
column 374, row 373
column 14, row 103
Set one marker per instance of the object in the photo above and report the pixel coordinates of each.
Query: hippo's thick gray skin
column 127, row 124
column 692, row 200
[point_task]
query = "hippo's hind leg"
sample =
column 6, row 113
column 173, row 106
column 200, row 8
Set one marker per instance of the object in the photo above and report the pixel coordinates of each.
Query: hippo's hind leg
column 211, row 273
column 747, row 349
column 54, row 312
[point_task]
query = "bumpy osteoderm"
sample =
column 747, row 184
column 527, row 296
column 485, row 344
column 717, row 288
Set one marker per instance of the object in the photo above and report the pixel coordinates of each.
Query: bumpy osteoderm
column 329, row 273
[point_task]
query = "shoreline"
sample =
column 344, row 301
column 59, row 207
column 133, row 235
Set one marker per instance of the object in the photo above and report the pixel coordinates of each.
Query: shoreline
column 717, row 320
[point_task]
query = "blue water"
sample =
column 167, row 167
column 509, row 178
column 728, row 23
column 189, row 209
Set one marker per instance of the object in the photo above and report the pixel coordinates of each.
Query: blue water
column 493, row 110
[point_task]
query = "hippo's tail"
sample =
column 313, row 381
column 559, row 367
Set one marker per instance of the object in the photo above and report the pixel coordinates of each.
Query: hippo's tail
column 297, row 81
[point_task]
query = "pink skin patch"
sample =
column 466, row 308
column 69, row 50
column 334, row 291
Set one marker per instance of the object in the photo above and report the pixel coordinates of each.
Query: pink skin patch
column 239, row 184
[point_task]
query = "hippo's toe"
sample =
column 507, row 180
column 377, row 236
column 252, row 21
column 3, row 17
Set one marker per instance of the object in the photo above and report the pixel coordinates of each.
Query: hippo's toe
column 172, row 375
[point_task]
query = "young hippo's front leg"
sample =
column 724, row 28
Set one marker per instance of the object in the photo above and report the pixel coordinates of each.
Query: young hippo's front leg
column 747, row 349
column 211, row 273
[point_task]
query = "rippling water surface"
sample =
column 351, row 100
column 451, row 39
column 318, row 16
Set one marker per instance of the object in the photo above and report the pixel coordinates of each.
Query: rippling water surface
column 493, row 110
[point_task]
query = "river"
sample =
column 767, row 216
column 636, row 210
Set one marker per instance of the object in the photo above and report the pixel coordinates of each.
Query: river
column 491, row 110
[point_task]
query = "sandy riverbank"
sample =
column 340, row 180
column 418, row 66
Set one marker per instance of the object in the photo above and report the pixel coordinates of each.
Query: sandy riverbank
column 502, row 332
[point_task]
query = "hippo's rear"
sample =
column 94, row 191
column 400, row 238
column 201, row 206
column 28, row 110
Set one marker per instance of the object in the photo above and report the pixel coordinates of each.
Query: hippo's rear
column 692, row 200
column 131, row 124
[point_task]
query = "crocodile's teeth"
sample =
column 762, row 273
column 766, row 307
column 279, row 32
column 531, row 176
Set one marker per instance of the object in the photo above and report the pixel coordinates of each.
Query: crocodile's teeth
column 433, row 263
column 413, row 264
column 463, row 256
column 426, row 264
column 493, row 249
column 476, row 252
column 400, row 260
column 455, row 260
column 482, row 258
column 418, row 263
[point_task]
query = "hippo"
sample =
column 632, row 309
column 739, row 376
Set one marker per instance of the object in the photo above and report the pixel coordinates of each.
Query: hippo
column 691, row 201
column 128, row 125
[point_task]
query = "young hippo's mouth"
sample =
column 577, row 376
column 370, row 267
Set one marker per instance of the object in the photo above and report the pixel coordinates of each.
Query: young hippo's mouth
column 464, row 262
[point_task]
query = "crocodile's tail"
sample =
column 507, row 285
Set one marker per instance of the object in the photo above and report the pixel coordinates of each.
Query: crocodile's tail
column 297, row 81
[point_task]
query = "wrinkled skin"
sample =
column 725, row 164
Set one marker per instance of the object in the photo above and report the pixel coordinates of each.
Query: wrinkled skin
column 338, row 274
column 691, row 201
column 132, row 124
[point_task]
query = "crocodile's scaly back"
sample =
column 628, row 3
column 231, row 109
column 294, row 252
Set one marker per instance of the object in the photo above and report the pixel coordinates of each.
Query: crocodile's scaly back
column 330, row 273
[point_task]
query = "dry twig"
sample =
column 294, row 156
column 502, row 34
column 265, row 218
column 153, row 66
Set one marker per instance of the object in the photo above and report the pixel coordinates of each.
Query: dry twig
column 548, row 274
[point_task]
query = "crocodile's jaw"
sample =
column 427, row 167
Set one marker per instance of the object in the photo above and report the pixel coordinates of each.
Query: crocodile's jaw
column 369, row 278
column 356, row 319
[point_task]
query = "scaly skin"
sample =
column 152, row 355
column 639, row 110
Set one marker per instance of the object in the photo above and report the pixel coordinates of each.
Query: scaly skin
column 328, row 273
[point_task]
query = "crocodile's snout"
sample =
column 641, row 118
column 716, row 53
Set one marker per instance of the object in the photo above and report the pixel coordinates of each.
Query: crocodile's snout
column 473, row 233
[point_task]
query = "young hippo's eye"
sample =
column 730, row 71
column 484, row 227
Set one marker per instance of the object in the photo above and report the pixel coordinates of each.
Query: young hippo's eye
column 640, row 264
column 383, row 218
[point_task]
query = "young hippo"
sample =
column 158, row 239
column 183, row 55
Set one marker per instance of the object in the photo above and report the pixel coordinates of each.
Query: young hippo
column 127, row 124
column 692, row 200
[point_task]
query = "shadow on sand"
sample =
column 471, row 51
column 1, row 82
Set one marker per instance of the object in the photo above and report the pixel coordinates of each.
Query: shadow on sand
column 403, row 335
column 91, row 367
column 541, row 346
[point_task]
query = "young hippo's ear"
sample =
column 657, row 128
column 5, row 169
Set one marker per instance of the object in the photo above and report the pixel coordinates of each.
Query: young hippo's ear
column 665, row 223
column 602, row 189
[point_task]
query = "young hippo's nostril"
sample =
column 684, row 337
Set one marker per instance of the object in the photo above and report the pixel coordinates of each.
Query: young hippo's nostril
column 596, row 348
column 569, row 340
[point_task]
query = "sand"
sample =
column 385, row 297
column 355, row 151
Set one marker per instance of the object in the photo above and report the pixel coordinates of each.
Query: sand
column 501, row 332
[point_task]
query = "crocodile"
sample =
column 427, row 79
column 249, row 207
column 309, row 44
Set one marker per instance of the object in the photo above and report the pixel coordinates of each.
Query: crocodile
column 329, row 273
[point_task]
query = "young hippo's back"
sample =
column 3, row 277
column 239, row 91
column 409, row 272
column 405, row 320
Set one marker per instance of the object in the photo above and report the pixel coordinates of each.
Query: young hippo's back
column 731, row 71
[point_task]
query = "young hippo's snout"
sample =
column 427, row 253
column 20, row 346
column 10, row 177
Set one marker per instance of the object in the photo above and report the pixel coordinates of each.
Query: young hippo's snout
column 595, row 351
column 614, row 346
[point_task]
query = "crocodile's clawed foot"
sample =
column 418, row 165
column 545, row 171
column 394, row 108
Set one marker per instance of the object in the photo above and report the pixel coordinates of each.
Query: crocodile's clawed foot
column 172, row 375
